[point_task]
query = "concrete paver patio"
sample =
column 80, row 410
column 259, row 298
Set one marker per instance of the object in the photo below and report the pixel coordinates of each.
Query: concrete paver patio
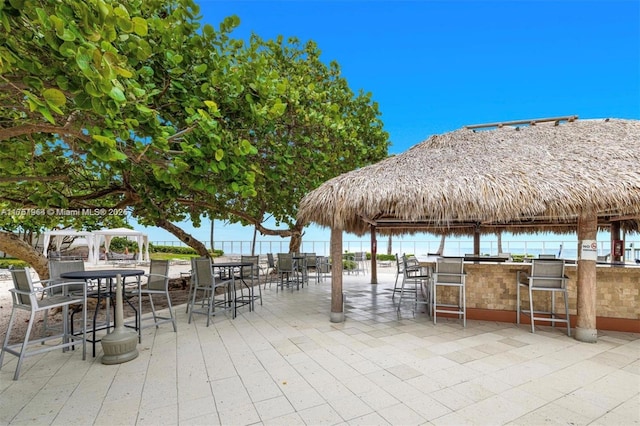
column 286, row 364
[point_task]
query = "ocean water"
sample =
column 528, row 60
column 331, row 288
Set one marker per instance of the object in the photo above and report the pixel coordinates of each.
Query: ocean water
column 238, row 239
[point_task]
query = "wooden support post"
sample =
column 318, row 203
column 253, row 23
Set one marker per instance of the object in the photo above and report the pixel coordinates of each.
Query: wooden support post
column 476, row 242
column 374, row 256
column 337, row 306
column 586, row 279
column 615, row 236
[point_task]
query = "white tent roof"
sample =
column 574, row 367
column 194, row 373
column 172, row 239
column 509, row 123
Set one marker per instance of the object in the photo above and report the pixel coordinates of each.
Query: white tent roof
column 58, row 236
column 107, row 234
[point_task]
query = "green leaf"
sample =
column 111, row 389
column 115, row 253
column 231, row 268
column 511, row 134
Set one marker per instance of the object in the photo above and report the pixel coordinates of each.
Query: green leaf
column 92, row 90
column 219, row 154
column 34, row 82
column 62, row 82
column 46, row 114
column 67, row 49
column 83, row 60
column 67, row 35
column 117, row 94
column 123, row 72
column 277, row 109
column 140, row 26
column 54, row 97
column 144, row 109
column 83, row 101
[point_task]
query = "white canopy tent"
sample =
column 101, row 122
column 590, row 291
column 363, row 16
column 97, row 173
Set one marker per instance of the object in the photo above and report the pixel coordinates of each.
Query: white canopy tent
column 107, row 234
column 58, row 236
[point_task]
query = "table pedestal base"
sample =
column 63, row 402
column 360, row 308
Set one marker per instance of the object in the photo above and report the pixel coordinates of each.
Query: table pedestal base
column 119, row 346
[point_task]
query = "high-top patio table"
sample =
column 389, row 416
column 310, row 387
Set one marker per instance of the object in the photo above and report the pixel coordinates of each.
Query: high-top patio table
column 227, row 269
column 108, row 275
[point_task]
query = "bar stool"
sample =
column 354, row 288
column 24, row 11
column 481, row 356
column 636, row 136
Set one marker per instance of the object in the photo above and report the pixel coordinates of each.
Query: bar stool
column 413, row 279
column 449, row 273
column 546, row 276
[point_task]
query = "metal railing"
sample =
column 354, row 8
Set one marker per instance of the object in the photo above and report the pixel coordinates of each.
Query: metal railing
column 566, row 248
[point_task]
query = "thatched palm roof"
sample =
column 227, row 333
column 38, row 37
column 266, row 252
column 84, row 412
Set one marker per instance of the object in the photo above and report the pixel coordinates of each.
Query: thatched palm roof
column 522, row 179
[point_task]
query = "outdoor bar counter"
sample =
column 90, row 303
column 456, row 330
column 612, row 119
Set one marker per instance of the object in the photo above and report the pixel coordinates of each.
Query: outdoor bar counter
column 491, row 293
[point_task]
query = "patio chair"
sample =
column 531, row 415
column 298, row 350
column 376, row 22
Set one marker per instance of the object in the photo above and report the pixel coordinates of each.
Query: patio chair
column 287, row 271
column 27, row 296
column 252, row 274
column 323, row 268
column 506, row 256
column 413, row 283
column 157, row 284
column 57, row 267
column 191, row 282
column 399, row 271
column 271, row 270
column 360, row 258
column 546, row 276
column 216, row 293
column 449, row 273
column 310, row 260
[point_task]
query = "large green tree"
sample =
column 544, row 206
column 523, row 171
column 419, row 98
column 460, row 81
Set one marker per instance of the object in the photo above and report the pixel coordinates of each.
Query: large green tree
column 136, row 104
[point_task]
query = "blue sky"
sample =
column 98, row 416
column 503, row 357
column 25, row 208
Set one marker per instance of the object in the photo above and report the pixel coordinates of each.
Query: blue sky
column 435, row 66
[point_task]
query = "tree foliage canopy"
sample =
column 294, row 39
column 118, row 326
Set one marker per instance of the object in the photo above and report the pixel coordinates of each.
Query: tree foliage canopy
column 137, row 104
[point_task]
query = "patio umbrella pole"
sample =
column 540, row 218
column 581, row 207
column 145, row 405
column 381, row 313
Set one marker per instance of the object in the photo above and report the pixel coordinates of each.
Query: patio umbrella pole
column 119, row 346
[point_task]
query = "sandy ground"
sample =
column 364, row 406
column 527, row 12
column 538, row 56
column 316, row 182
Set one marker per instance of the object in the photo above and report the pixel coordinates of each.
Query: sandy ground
column 178, row 286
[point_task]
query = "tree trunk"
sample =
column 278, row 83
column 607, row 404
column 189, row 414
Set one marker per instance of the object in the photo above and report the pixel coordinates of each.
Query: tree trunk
column 389, row 246
column 296, row 239
column 200, row 248
column 500, row 243
column 13, row 245
column 253, row 242
column 211, row 233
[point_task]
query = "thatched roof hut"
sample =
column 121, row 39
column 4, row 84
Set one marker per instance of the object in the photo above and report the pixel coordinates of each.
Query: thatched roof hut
column 557, row 174
column 516, row 178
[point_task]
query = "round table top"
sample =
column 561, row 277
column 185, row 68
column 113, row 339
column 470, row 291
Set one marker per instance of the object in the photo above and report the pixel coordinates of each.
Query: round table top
column 230, row 264
column 101, row 273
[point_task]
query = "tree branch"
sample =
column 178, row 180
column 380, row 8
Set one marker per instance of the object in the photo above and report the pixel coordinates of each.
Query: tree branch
column 30, row 129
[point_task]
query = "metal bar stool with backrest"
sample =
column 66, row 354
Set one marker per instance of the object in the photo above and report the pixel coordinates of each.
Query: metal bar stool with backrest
column 27, row 297
column 323, row 268
column 252, row 274
column 157, row 284
column 413, row 283
column 272, row 270
column 287, row 271
column 310, row 261
column 93, row 291
column 191, row 283
column 57, row 267
column 546, row 256
column 360, row 258
column 449, row 273
column 207, row 283
column 546, row 276
column 399, row 271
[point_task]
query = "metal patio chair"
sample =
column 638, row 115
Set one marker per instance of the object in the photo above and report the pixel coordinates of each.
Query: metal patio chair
column 29, row 296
